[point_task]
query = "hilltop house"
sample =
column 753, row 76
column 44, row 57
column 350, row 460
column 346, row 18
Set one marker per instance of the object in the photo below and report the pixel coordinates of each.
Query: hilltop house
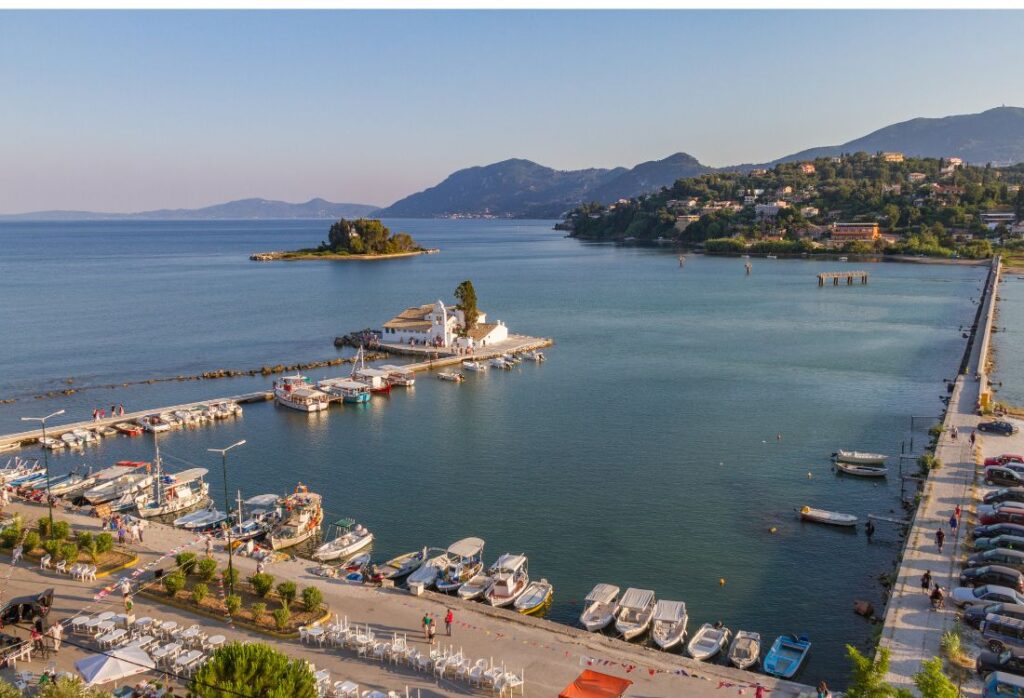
column 437, row 325
column 770, row 209
column 807, row 167
column 892, row 157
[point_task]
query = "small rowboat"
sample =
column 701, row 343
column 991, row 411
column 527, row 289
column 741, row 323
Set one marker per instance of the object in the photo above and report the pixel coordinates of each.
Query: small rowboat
column 786, row 655
column 861, row 470
column 475, row 587
column 403, row 565
column 832, row 518
column 745, row 650
column 860, row 457
column 708, row 641
column 536, row 598
column 128, row 428
column 450, row 376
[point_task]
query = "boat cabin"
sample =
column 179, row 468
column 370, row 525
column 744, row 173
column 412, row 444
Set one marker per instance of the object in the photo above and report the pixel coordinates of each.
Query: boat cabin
column 603, row 593
column 467, row 550
column 350, row 390
column 635, row 602
column 670, row 611
column 375, row 378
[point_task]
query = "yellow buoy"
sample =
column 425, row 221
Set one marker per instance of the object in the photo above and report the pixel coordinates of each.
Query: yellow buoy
column 773, row 529
column 721, row 581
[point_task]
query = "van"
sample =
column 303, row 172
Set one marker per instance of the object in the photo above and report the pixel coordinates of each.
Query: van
column 1000, row 632
column 1000, row 684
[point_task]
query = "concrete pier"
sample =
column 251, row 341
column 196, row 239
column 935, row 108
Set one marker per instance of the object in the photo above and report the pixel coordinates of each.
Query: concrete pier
column 835, row 276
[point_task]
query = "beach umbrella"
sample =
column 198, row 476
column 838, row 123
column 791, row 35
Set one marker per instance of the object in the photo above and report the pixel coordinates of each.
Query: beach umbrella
column 119, row 664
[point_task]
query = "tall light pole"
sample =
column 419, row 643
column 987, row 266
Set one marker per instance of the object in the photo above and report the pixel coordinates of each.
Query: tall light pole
column 46, row 460
column 227, row 509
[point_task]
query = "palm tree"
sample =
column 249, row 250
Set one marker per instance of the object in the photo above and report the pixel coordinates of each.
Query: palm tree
column 253, row 669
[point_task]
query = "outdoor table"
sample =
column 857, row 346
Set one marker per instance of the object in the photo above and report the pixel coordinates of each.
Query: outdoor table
column 143, row 623
column 316, row 634
column 322, row 676
column 79, row 622
column 216, row 641
column 91, row 625
column 105, row 626
column 191, row 636
column 106, row 615
column 167, row 627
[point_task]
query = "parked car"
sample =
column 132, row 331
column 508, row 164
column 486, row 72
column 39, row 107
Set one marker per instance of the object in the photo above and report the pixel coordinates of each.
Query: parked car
column 1005, row 458
column 999, row 427
column 1004, row 494
column 993, row 574
column 25, row 608
column 1010, row 660
column 997, row 556
column 1003, row 477
column 1002, row 513
column 1002, row 684
column 973, row 615
column 1004, row 541
column 1000, row 632
column 999, row 529
column 976, row 596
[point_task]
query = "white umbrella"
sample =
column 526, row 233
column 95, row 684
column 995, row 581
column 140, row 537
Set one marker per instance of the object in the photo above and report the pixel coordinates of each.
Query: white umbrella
column 119, row 664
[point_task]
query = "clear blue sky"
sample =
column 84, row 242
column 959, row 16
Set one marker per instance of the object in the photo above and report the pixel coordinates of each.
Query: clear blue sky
column 124, row 111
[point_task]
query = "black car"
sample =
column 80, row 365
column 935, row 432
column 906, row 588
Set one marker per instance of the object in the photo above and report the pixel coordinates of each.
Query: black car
column 1001, row 428
column 1005, row 494
column 993, row 574
column 24, row 608
column 973, row 615
column 1010, row 660
column 1003, row 477
column 997, row 529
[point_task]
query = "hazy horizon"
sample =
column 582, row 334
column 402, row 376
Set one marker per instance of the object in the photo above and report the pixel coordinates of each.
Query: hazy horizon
column 127, row 111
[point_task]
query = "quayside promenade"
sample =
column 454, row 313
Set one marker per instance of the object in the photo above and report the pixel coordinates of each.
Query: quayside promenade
column 912, row 629
column 550, row 655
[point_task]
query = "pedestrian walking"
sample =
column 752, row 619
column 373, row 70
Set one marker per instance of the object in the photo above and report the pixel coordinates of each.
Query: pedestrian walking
column 426, row 626
column 57, row 635
column 449, row 617
column 926, row 581
column 973, row 437
column 940, row 537
column 952, row 523
column 16, row 554
column 113, row 410
column 957, row 512
column 954, row 433
column 209, row 545
column 126, row 587
column 431, row 630
column 759, row 691
column 121, row 533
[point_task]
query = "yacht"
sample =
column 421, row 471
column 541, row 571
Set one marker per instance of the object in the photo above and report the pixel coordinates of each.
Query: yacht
column 295, row 392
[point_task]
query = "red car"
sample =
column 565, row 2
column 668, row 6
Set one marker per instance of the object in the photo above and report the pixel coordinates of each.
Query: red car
column 1005, row 458
column 1002, row 513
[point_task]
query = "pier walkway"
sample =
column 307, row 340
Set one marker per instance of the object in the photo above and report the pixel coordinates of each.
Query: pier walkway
column 912, row 630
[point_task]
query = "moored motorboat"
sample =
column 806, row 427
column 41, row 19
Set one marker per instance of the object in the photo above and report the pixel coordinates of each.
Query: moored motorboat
column 402, row 565
column 745, row 650
column 475, row 587
column 427, row 573
column 201, row 520
column 537, row 356
column 259, row 521
column 668, row 626
column 72, row 482
column 174, row 492
column 860, row 457
column 153, row 424
column 535, row 599
column 71, row 440
column 87, row 436
column 349, row 390
column 823, row 516
column 296, row 393
column 451, row 376
column 601, row 605
column 52, row 444
column 498, row 362
column 18, row 467
column 105, row 431
column 510, row 579
column 474, row 366
column 128, row 483
column 707, row 642
column 465, row 561
column 128, row 429
column 861, row 470
column 400, row 376
column 787, row 654
column 301, row 519
column 347, row 539
column 636, row 610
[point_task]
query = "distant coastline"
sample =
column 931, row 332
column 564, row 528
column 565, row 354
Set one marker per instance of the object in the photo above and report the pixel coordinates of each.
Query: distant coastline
column 306, row 255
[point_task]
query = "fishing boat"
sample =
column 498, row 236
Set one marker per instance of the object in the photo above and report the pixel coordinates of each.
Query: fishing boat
column 402, row 565
column 860, row 457
column 187, row 417
column 831, row 518
column 301, row 519
column 201, row 520
column 708, row 641
column 536, row 356
column 787, row 654
column 476, row 587
column 31, row 478
column 132, row 480
column 510, row 579
column 427, row 573
column 668, row 627
column 636, row 609
column 511, row 359
column 72, row 482
column 600, row 607
column 474, row 366
column 535, row 599
column 259, row 520
column 347, row 539
column 71, row 440
column 400, row 376
column 52, row 443
column 465, row 561
column 295, row 392
column 451, row 376
column 153, row 424
column 173, row 493
column 498, row 362
column 105, row 431
column 86, row 436
column 19, row 467
column 745, row 650
column 861, row 470
column 128, row 429
column 349, row 390
column 374, row 378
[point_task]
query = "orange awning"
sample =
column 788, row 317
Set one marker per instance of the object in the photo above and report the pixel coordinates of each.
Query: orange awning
column 594, row 684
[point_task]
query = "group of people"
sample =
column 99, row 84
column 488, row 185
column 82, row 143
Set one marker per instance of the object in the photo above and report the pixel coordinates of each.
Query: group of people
column 430, row 627
column 100, row 413
column 954, row 523
column 127, row 530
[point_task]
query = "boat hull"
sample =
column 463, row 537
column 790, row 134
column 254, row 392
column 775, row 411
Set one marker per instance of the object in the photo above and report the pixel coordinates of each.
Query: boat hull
column 859, row 470
column 861, row 458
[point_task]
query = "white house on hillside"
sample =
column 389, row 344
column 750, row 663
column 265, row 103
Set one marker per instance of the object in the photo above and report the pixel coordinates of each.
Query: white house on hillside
column 437, row 325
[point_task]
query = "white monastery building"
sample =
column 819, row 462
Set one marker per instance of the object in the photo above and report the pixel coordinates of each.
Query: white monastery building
column 437, row 325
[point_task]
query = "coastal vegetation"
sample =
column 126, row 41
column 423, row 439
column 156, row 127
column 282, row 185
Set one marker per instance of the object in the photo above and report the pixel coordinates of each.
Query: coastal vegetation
column 867, row 678
column 253, row 669
column 922, row 206
column 465, row 294
column 360, row 238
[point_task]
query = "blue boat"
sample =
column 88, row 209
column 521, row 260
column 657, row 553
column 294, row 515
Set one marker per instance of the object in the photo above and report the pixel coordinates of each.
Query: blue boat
column 29, row 480
column 786, row 655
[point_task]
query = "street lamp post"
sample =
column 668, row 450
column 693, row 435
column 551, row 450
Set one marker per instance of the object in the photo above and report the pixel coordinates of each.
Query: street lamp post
column 46, row 459
column 227, row 509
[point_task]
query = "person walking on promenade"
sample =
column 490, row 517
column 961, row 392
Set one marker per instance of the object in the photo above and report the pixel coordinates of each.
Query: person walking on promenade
column 926, row 581
column 209, row 546
column 940, row 537
column 16, row 554
column 449, row 617
column 952, row 523
column 426, row 626
column 973, row 437
column 56, row 634
column 431, row 630
column 957, row 512
column 954, row 432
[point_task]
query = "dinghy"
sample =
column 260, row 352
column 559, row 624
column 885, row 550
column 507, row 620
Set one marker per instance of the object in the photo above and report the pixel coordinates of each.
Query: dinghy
column 510, row 580
column 745, row 650
column 636, row 609
column 601, row 605
column 403, row 565
column 860, row 457
column 475, row 587
column 669, row 625
column 823, row 516
column 708, row 641
column 349, row 538
column 535, row 599
column 786, row 655
column 451, row 376
column 861, row 470
column 475, row 366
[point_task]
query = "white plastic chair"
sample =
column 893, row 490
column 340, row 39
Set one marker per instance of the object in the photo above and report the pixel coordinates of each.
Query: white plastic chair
column 346, row 689
column 44, row 561
column 112, row 637
column 476, row 674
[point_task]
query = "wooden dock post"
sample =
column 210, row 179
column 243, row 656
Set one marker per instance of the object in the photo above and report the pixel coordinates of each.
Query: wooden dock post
column 835, row 276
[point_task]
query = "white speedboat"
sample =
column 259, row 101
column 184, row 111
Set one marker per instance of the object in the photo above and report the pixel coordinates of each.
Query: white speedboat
column 347, row 540
column 474, row 366
column 832, row 518
column 860, row 457
column 170, row 420
column 745, row 650
column 668, row 628
column 153, row 424
column 498, row 362
column 537, row 356
column 403, row 565
column 451, row 376
column 861, row 470
column 52, row 443
column 535, row 599
column 636, row 610
column 601, row 606
column 86, row 436
column 708, row 641
column 301, row 520
column 105, row 431
column 510, row 580
column 296, row 393
column 201, row 520
column 465, row 561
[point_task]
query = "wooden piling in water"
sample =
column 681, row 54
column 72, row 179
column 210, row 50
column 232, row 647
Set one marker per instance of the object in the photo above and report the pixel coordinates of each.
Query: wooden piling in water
column 835, row 276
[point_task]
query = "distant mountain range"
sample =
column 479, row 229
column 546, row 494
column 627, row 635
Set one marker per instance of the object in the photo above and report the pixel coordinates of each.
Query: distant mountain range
column 519, row 188
column 241, row 209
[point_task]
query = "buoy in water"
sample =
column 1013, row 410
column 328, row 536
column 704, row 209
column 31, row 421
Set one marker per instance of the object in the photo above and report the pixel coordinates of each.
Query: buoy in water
column 773, row 529
column 810, row 475
column 721, row 581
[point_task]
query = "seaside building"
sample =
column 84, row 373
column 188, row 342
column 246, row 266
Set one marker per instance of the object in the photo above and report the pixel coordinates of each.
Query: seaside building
column 809, row 211
column 917, row 176
column 849, row 232
column 770, row 209
column 992, row 219
column 438, row 325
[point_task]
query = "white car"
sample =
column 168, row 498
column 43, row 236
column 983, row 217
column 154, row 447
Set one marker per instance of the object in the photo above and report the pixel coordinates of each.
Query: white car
column 990, row 593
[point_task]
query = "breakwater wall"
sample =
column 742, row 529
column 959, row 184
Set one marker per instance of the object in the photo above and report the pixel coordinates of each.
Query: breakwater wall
column 986, row 315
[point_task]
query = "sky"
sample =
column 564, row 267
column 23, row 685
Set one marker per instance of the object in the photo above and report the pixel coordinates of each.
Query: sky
column 135, row 110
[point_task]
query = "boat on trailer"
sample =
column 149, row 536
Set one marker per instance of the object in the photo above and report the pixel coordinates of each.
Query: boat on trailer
column 786, row 656
column 668, row 627
column 861, row 470
column 860, row 457
column 636, row 610
column 509, row 580
column 601, row 606
column 709, row 641
column 830, row 518
column 347, row 540
column 745, row 650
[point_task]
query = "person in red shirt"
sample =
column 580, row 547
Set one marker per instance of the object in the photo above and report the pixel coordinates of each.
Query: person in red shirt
column 448, row 621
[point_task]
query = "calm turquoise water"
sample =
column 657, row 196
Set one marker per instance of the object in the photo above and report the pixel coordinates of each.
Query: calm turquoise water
column 643, row 453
